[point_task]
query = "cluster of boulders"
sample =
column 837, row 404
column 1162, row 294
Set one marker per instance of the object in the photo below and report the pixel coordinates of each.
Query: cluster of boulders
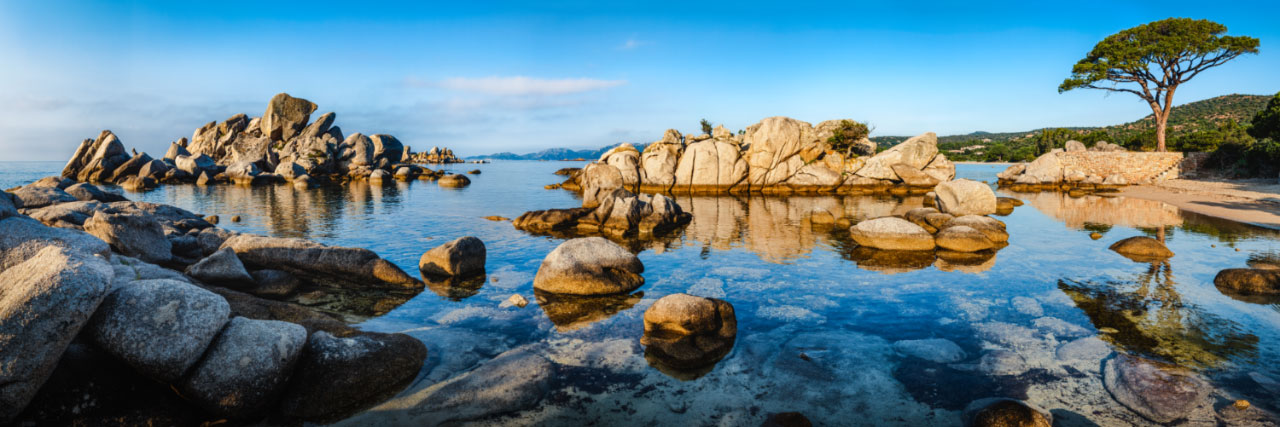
column 181, row 302
column 958, row 229
column 434, row 155
column 283, row 145
column 618, row 214
column 778, row 155
column 1076, row 168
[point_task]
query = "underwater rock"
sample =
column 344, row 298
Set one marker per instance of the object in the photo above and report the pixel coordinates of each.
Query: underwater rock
column 1159, row 392
column 937, row 350
column 570, row 312
column 1248, row 281
column 1001, row 412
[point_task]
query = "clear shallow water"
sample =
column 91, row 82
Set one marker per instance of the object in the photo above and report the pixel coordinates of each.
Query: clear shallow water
column 817, row 322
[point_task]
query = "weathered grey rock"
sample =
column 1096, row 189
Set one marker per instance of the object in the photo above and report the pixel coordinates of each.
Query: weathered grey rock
column 136, row 235
column 962, row 239
column 965, row 197
column 598, row 180
column 937, row 350
column 454, row 181
column 44, row 301
column 387, row 147
column 86, row 192
column 543, row 221
column 514, row 380
column 1159, row 392
column 194, row 165
column 589, row 266
column 1142, row 249
column 285, row 117
column 66, row 215
column 319, row 127
column 159, row 327
column 1248, row 281
column 38, row 197
column 940, row 168
column 246, row 367
column 357, row 150
column 340, row 266
column 222, row 268
column 129, row 167
column 243, row 171
column 891, row 233
column 379, row 177
column 95, row 160
column 290, row 170
column 138, row 183
column 337, row 376
column 916, row 152
column 8, row 205
column 21, row 238
column 464, row 256
column 778, row 148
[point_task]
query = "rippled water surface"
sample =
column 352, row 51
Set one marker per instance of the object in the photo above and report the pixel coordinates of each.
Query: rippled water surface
column 817, row 319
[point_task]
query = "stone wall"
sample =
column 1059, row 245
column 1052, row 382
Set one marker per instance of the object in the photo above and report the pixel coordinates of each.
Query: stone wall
column 1136, row 168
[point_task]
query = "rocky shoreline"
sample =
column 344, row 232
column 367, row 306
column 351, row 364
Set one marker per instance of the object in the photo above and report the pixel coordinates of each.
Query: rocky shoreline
column 92, row 280
column 1103, row 167
column 283, row 145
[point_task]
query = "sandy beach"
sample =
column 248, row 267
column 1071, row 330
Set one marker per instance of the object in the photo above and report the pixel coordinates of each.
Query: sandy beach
column 1252, row 201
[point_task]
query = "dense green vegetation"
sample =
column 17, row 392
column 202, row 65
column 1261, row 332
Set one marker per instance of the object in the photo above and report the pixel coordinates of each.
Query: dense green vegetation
column 844, row 136
column 1196, row 126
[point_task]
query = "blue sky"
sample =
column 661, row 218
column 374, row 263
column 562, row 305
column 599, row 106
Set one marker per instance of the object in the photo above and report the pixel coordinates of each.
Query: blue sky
column 482, row 77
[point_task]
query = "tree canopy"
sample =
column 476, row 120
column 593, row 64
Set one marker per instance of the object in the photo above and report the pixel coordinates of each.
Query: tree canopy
column 1157, row 57
column 1266, row 124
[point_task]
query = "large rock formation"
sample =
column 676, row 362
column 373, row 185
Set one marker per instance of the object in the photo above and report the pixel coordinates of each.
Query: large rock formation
column 1096, row 167
column 779, row 155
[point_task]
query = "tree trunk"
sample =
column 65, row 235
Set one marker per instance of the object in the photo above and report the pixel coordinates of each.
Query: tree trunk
column 1162, row 121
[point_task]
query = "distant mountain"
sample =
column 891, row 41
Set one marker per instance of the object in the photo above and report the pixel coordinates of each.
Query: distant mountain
column 554, row 154
column 1186, row 118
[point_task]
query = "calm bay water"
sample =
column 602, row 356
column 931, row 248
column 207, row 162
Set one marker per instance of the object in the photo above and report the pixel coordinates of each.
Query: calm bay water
column 817, row 321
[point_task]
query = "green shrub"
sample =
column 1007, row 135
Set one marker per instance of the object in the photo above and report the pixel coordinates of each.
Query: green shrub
column 846, row 135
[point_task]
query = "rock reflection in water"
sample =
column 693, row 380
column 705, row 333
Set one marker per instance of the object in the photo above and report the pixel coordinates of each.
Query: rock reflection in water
column 781, row 229
column 687, row 358
column 454, row 288
column 286, row 211
column 570, row 312
column 351, row 305
column 1148, row 316
column 1081, row 212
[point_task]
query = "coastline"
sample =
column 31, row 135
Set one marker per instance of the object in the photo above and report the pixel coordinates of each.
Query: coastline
column 1251, row 201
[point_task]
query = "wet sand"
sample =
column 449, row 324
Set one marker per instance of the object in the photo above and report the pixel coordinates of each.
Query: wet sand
column 1252, row 201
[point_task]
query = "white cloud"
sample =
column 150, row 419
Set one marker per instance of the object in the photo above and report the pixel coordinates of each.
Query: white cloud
column 520, row 85
column 632, row 43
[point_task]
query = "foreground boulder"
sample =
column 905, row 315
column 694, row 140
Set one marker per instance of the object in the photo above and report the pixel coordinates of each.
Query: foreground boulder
column 1157, row 391
column 338, row 266
column 685, row 332
column 589, row 266
column 1248, row 281
column 246, row 367
column 993, row 228
column 338, row 376
column 136, row 235
column 963, row 239
column 464, row 256
column 159, row 327
column 44, row 301
column 21, row 238
column 31, row 197
column 1142, row 249
column 892, row 233
column 965, row 197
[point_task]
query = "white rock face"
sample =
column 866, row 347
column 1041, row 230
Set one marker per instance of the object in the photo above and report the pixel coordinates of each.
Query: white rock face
column 1045, row 169
column 627, row 159
column 775, row 146
column 710, row 163
column 916, row 152
column 965, row 197
column 659, row 160
column 597, row 181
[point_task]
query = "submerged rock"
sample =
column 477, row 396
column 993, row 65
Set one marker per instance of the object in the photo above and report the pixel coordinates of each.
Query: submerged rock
column 999, row 412
column 892, row 233
column 589, row 266
column 44, row 302
column 464, row 256
column 160, row 327
column 571, row 312
column 1157, row 391
column 937, row 350
column 1142, row 249
column 788, row 419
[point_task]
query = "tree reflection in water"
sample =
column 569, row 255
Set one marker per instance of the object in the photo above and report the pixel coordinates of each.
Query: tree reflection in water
column 1148, row 316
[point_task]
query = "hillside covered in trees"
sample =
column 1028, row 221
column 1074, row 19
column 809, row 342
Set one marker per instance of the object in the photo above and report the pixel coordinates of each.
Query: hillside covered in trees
column 1195, row 126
